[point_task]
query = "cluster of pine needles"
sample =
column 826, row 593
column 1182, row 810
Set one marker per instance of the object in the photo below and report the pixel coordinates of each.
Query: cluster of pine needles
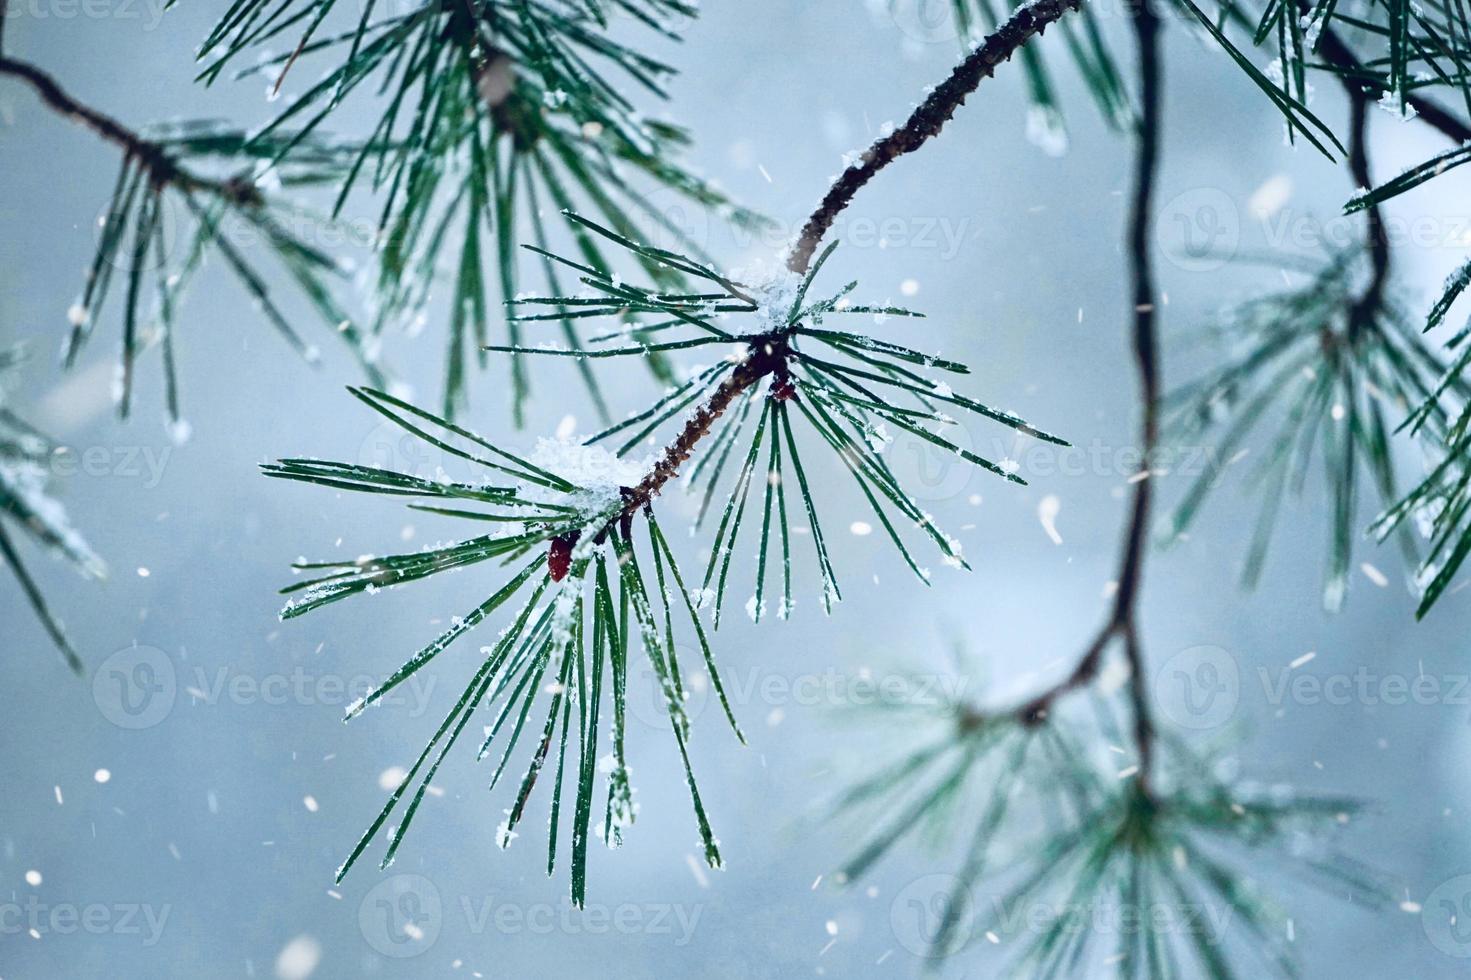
column 1067, row 865
column 570, row 524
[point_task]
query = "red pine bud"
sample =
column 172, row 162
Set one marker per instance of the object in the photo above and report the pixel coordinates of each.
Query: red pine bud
column 559, row 558
column 782, row 389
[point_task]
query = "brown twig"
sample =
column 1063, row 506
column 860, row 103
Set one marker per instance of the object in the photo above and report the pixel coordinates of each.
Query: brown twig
column 1122, row 620
column 928, row 119
column 1336, row 52
column 768, row 354
column 1146, row 357
column 767, row 359
column 1121, row 623
column 1367, row 305
column 162, row 169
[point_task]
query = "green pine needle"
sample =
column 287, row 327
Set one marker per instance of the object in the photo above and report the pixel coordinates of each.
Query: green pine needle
column 1330, row 375
column 27, row 506
column 491, row 110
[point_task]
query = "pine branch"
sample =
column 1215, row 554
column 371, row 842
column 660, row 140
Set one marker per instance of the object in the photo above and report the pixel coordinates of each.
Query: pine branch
column 928, row 119
column 1296, row 116
column 838, row 393
column 1088, row 842
column 1340, row 348
column 1371, row 300
column 1337, row 53
column 768, row 355
column 1089, row 52
column 133, row 239
column 1351, row 341
column 1438, row 49
column 763, row 360
column 1146, row 347
column 491, row 109
column 1330, row 371
column 563, row 509
column 1122, row 621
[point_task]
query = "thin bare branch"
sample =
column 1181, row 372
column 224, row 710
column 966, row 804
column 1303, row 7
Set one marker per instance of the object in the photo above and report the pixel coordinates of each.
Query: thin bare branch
column 928, row 119
column 768, row 355
column 162, row 169
column 1122, row 620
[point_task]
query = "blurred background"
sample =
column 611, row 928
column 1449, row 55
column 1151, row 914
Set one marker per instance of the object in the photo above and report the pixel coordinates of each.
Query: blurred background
column 182, row 811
